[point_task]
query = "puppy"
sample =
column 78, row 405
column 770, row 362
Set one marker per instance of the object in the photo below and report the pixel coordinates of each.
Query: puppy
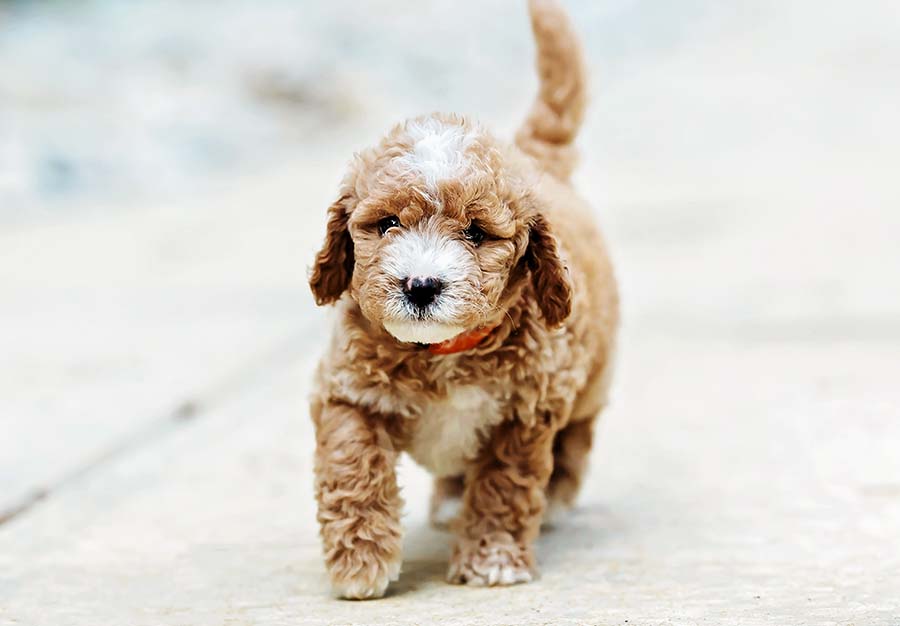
column 476, row 313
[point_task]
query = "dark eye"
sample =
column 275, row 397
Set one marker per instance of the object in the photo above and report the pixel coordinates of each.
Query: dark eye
column 387, row 223
column 474, row 234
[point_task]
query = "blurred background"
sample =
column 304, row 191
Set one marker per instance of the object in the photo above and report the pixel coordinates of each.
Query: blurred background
column 164, row 171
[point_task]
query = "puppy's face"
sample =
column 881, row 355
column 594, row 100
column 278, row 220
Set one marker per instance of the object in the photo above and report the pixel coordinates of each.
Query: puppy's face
column 429, row 268
column 433, row 234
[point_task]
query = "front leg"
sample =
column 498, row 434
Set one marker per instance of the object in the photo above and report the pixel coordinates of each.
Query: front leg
column 359, row 503
column 503, row 504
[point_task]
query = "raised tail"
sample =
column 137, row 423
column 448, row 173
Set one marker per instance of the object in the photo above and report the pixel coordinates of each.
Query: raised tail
column 550, row 128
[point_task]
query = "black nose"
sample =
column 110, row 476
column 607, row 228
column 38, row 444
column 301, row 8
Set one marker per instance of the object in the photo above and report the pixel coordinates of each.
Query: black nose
column 422, row 291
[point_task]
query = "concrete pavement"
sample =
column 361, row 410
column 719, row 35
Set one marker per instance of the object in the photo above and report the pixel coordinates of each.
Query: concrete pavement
column 155, row 366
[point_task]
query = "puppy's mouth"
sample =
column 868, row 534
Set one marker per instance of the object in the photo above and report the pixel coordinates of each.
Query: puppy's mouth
column 422, row 331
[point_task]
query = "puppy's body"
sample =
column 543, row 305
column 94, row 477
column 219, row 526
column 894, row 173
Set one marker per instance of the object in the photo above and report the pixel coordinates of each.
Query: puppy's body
column 505, row 423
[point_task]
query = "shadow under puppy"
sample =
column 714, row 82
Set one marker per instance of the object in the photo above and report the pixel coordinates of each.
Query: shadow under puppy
column 476, row 316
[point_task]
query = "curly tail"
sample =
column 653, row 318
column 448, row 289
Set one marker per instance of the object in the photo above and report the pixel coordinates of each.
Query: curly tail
column 550, row 128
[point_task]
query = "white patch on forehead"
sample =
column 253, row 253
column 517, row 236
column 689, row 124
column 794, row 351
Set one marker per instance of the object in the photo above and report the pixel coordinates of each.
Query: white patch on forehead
column 423, row 253
column 438, row 151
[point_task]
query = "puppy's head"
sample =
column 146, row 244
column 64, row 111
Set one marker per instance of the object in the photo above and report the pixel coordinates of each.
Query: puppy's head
column 434, row 233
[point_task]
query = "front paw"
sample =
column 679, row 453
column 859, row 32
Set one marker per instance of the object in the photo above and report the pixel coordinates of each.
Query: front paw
column 362, row 572
column 495, row 559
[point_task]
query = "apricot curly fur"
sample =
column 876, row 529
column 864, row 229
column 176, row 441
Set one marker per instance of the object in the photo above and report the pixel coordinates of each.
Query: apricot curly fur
column 331, row 272
column 506, row 425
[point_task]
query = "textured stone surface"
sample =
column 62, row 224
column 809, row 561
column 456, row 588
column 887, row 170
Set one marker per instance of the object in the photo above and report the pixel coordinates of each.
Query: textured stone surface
column 155, row 363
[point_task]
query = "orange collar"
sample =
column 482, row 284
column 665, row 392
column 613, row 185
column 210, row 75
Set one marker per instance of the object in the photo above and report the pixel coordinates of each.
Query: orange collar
column 462, row 342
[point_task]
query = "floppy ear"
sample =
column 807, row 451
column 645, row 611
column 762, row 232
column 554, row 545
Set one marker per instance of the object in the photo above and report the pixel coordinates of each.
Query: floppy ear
column 548, row 274
column 333, row 268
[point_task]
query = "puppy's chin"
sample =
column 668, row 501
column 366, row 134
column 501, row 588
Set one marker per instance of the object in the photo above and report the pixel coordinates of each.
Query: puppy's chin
column 422, row 332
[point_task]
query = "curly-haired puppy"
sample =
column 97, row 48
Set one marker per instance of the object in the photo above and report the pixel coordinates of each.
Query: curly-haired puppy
column 476, row 316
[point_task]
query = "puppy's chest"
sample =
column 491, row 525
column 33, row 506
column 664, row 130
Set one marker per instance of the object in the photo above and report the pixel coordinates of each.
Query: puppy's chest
column 451, row 430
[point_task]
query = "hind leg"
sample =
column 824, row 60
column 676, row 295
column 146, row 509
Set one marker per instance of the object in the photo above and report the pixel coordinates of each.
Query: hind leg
column 572, row 445
column 571, row 449
column 446, row 500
